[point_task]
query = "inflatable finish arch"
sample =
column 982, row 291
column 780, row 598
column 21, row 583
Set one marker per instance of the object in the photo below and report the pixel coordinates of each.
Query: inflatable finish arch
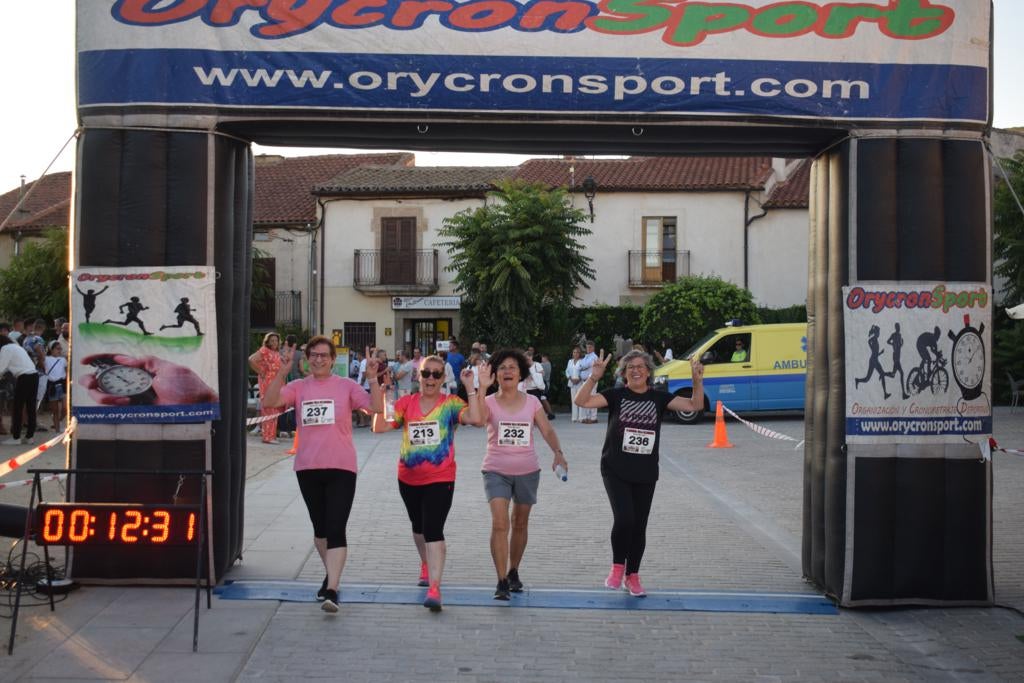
column 892, row 97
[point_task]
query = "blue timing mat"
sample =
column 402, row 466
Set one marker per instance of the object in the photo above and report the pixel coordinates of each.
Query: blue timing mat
column 568, row 598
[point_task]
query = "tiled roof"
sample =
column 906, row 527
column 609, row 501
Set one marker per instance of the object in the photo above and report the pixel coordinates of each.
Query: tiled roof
column 283, row 184
column 48, row 206
column 656, row 174
column 428, row 180
column 794, row 193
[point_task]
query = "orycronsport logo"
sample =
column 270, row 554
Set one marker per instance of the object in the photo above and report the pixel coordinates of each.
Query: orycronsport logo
column 679, row 22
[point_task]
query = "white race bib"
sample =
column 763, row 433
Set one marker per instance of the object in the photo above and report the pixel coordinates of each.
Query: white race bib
column 425, row 433
column 318, row 412
column 514, row 434
column 640, row 441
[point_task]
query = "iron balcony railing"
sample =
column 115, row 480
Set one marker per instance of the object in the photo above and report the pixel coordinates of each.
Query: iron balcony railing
column 396, row 271
column 657, row 268
column 286, row 311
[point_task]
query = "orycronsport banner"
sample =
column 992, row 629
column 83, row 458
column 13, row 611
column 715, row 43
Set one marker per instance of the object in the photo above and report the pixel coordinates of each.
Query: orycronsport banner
column 856, row 60
column 918, row 362
column 144, row 345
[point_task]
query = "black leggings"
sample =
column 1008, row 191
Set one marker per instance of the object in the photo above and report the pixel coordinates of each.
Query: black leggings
column 428, row 507
column 631, row 506
column 328, row 495
column 25, row 388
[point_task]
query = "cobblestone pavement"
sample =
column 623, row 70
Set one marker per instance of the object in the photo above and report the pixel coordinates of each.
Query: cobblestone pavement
column 722, row 520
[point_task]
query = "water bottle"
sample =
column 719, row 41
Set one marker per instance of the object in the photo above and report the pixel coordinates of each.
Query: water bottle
column 561, row 473
column 389, row 408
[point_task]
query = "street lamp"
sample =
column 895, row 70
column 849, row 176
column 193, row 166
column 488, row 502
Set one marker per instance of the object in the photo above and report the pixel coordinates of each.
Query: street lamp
column 590, row 191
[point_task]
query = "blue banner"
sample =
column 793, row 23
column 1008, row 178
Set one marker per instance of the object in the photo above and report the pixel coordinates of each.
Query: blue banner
column 313, row 80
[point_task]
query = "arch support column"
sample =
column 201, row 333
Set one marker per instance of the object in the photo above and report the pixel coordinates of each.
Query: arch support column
column 892, row 523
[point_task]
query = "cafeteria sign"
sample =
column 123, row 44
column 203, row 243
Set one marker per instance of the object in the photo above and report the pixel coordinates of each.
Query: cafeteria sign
column 425, row 302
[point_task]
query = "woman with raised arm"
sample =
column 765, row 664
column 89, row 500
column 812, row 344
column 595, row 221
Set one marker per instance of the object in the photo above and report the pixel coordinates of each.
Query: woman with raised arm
column 426, row 463
column 325, row 463
column 629, row 458
column 511, row 468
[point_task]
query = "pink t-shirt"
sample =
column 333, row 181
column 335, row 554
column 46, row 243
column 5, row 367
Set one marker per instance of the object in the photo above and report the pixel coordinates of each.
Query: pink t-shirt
column 323, row 413
column 510, row 447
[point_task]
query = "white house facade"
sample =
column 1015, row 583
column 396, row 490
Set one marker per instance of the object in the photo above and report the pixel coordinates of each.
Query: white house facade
column 384, row 272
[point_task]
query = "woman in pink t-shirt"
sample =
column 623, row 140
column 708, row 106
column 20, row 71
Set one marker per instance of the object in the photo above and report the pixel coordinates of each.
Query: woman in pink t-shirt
column 511, row 468
column 325, row 463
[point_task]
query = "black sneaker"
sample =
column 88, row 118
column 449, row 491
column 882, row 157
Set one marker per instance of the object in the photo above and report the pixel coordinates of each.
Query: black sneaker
column 514, row 584
column 330, row 603
column 502, row 591
column 322, row 593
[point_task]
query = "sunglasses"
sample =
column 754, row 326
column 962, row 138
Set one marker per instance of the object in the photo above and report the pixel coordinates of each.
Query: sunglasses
column 436, row 374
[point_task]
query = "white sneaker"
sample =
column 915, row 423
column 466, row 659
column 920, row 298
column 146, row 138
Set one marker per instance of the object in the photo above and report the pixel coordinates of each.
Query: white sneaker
column 12, row 442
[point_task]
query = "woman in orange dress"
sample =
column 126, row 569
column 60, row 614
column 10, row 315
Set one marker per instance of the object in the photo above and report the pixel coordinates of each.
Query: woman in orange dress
column 265, row 363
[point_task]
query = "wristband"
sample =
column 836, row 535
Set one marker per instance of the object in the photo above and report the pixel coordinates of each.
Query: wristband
column 471, row 393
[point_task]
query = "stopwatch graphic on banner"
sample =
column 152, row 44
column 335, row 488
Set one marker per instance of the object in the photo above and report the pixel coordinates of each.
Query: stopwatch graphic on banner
column 144, row 346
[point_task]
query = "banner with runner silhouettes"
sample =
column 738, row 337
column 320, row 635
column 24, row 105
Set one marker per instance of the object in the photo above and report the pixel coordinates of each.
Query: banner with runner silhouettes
column 145, row 345
column 917, row 362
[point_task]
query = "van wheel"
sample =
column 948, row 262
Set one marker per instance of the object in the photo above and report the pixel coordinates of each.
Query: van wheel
column 688, row 417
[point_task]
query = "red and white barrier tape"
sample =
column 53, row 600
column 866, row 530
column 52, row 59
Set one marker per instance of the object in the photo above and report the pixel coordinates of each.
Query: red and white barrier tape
column 26, row 482
column 764, row 431
column 19, row 460
column 266, row 418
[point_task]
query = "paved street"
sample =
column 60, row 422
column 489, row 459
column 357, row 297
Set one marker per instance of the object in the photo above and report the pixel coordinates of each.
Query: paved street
column 723, row 520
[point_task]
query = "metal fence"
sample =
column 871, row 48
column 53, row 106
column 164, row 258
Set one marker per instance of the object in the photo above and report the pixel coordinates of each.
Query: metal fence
column 657, row 268
column 396, row 271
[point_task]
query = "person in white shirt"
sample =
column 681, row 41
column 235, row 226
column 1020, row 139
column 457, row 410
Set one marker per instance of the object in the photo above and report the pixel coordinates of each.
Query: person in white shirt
column 56, row 366
column 572, row 373
column 588, row 415
column 15, row 359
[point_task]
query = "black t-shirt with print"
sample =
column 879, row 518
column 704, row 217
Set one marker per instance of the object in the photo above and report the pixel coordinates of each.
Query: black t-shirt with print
column 634, row 431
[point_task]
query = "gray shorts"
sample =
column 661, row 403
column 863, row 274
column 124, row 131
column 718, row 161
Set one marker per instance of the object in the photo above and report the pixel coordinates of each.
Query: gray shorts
column 519, row 488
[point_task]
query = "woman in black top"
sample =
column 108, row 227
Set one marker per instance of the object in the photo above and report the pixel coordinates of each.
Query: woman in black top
column 629, row 458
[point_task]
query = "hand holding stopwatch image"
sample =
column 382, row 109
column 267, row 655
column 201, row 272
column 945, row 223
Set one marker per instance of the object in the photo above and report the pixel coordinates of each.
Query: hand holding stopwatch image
column 121, row 380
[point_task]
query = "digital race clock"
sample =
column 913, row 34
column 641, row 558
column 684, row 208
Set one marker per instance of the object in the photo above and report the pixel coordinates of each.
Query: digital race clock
column 126, row 524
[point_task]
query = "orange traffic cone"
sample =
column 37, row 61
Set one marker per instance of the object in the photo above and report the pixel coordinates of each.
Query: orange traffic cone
column 721, row 440
column 295, row 445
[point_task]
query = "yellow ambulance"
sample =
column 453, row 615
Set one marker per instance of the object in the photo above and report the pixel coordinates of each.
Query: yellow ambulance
column 746, row 367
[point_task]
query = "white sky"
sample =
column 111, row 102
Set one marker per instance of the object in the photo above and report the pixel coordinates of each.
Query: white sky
column 37, row 82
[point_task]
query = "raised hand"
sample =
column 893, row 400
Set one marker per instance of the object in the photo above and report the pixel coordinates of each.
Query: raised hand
column 696, row 368
column 485, row 376
column 372, row 365
column 466, row 375
column 599, row 366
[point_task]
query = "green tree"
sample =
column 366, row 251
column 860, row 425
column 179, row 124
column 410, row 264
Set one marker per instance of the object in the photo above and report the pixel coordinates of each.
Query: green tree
column 516, row 257
column 1008, row 250
column 685, row 310
column 36, row 282
column 1009, row 230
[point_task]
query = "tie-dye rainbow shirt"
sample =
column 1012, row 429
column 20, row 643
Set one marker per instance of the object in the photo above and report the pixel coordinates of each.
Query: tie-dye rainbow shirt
column 428, row 463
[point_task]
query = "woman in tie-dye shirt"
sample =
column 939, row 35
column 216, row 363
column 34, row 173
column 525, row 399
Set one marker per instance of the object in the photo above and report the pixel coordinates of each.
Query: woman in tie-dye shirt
column 426, row 463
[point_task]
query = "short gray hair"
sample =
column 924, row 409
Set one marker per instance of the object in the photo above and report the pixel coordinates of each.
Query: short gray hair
column 624, row 361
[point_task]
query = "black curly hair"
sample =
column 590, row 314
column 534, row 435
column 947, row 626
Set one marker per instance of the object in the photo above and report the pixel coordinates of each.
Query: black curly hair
column 504, row 354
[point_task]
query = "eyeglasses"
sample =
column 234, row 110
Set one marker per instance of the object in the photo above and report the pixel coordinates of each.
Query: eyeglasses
column 318, row 354
column 636, row 367
column 436, row 374
column 508, row 367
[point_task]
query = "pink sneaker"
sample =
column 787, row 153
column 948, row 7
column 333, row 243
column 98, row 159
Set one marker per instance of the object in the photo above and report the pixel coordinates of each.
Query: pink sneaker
column 424, row 575
column 433, row 599
column 614, row 580
column 632, row 584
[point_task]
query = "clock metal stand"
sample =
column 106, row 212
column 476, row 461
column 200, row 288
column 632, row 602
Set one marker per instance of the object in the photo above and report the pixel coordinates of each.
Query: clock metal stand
column 55, row 524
